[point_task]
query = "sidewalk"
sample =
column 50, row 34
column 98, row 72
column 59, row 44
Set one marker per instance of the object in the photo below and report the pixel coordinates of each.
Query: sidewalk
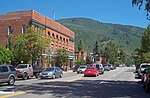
column 68, row 71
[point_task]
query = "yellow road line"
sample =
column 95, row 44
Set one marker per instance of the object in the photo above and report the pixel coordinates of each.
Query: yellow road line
column 15, row 94
column 73, row 79
column 27, row 91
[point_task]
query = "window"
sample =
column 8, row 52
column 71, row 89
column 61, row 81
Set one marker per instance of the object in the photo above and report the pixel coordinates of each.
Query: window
column 4, row 69
column 48, row 34
column 12, row 68
column 23, row 29
column 9, row 30
column 57, row 37
column 53, row 35
column 60, row 38
column 0, row 69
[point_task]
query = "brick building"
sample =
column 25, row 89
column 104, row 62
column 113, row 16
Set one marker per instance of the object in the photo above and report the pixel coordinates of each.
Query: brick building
column 17, row 22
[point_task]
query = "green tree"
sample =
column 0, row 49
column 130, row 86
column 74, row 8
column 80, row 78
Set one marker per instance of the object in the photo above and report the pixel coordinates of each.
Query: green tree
column 63, row 57
column 29, row 46
column 88, row 59
column 52, row 60
column 145, row 41
column 136, row 55
column 9, row 42
column 139, row 4
column 80, row 45
column 5, row 55
column 141, row 54
column 96, row 48
column 79, row 61
column 111, row 52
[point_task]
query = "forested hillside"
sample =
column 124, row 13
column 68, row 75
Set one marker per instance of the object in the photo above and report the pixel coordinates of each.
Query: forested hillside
column 88, row 30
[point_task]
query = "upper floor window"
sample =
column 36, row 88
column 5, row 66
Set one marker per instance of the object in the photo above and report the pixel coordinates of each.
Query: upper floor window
column 9, row 30
column 60, row 38
column 48, row 34
column 57, row 37
column 23, row 29
column 64, row 39
column 53, row 35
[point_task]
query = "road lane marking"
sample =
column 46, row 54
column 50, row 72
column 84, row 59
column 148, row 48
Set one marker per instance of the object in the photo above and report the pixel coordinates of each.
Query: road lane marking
column 73, row 79
column 103, row 82
column 6, row 92
column 114, row 75
column 15, row 94
column 27, row 91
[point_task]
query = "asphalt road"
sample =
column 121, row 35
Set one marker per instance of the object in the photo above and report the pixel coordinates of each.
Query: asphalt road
column 119, row 83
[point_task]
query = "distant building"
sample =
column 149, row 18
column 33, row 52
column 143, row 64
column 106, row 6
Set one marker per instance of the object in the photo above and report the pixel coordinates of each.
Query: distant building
column 99, row 58
column 17, row 22
column 80, row 54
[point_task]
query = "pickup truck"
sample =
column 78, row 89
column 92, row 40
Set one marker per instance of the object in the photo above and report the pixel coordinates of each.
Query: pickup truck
column 25, row 71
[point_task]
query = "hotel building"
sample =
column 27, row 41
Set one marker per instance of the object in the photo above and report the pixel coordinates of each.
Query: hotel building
column 17, row 22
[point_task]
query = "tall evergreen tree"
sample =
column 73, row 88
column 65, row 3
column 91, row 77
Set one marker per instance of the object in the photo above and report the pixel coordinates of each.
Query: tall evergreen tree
column 145, row 41
column 80, row 45
column 96, row 48
column 142, row 53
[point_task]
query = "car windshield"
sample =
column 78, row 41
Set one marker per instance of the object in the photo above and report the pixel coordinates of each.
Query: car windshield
column 82, row 67
column 105, row 65
column 145, row 66
column 21, row 66
column 49, row 69
column 90, row 68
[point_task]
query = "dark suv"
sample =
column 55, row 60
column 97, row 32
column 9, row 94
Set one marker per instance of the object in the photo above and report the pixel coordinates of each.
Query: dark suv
column 7, row 74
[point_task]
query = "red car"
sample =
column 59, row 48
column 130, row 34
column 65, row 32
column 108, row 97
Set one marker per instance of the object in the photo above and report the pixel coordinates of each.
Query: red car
column 91, row 71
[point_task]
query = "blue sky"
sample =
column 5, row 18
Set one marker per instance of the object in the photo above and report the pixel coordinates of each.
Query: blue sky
column 109, row 11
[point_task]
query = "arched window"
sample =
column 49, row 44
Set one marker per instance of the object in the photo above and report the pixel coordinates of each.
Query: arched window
column 63, row 39
column 53, row 35
column 48, row 34
column 57, row 36
column 60, row 38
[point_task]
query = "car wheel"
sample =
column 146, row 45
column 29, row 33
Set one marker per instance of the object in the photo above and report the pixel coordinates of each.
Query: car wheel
column 54, row 76
column 11, row 81
column 84, row 75
column 25, row 76
column 39, row 78
column 37, row 75
column 61, row 75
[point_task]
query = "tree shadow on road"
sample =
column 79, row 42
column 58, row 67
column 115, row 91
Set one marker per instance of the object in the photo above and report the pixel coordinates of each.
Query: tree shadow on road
column 87, row 89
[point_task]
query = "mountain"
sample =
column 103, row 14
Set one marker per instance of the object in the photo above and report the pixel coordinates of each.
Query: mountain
column 89, row 31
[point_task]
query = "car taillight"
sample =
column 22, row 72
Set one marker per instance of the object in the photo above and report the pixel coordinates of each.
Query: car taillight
column 149, row 76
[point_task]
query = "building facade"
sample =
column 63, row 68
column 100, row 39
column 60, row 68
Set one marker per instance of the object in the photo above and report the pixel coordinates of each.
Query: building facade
column 17, row 22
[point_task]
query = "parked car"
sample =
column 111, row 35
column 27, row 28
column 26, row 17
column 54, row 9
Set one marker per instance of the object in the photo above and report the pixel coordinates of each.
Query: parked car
column 25, row 71
column 51, row 72
column 112, row 67
column 106, row 67
column 91, row 71
column 137, row 67
column 7, row 74
column 99, row 67
column 146, row 81
column 142, row 67
column 81, row 69
column 75, row 68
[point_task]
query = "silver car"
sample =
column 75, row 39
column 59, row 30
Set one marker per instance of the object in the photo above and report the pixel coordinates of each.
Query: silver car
column 81, row 69
column 51, row 72
column 7, row 74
